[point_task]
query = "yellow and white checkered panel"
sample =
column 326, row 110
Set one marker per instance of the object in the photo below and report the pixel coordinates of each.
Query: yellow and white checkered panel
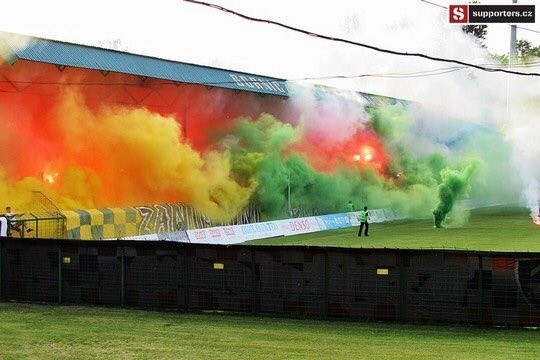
column 104, row 223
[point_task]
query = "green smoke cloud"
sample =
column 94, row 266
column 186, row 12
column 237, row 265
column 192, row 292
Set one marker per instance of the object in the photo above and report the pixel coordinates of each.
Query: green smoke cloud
column 263, row 151
column 391, row 122
column 454, row 184
column 266, row 152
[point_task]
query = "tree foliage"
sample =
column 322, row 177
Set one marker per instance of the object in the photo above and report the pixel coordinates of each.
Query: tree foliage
column 478, row 31
column 526, row 53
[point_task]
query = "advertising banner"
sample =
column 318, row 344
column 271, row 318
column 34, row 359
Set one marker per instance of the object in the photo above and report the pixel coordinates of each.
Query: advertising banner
column 299, row 226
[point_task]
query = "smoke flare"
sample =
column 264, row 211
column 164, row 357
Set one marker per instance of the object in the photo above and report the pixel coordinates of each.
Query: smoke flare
column 454, row 184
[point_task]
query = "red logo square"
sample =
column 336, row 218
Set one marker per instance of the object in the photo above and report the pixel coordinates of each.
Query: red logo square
column 458, row 13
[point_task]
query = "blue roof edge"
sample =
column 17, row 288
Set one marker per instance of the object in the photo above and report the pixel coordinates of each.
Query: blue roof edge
column 15, row 46
column 89, row 57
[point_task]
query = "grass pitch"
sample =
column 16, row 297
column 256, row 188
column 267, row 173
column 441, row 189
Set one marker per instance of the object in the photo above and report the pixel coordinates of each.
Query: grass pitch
column 489, row 229
column 69, row 332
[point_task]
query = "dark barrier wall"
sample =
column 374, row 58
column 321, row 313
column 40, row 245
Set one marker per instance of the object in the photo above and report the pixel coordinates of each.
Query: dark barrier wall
column 483, row 288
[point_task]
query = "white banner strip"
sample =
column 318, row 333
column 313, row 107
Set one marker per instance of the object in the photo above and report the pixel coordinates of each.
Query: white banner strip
column 236, row 234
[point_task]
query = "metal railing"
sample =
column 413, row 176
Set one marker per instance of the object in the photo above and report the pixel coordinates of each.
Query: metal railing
column 44, row 220
column 38, row 225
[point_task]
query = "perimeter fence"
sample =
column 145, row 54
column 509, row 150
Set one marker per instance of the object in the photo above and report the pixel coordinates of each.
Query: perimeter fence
column 484, row 288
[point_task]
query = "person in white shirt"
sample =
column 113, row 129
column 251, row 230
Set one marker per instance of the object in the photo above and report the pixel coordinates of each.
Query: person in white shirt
column 17, row 225
column 3, row 226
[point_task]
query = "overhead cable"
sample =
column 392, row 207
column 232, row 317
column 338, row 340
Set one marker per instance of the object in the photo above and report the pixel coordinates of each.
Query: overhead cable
column 350, row 42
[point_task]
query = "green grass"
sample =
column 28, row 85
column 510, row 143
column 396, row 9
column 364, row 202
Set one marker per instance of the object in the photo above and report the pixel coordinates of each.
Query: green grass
column 64, row 332
column 490, row 229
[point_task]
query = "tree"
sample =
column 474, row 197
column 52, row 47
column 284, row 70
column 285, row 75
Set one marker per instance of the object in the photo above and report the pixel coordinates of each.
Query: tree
column 478, row 31
column 526, row 53
column 503, row 59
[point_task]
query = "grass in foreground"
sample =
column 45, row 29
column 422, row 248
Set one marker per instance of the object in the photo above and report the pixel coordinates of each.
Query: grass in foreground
column 490, row 229
column 64, row 332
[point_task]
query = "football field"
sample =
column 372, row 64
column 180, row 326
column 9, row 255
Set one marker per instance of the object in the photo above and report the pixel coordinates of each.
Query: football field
column 487, row 229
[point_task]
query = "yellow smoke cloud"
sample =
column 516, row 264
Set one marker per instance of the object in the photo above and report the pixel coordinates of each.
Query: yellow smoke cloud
column 118, row 156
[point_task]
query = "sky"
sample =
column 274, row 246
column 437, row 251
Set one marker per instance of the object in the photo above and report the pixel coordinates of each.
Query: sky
column 177, row 30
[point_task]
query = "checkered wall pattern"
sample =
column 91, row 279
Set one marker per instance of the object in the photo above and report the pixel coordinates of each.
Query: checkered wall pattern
column 104, row 223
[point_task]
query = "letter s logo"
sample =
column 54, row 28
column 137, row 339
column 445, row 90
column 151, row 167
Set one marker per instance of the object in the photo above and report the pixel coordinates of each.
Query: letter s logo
column 458, row 13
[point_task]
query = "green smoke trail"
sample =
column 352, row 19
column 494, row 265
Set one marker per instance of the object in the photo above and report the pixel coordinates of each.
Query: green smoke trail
column 454, row 184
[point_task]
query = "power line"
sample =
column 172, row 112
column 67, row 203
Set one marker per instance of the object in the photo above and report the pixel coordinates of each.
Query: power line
column 350, row 42
column 389, row 75
column 251, row 80
column 435, row 4
column 522, row 28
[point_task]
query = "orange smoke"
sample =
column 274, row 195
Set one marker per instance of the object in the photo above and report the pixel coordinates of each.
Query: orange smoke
column 117, row 156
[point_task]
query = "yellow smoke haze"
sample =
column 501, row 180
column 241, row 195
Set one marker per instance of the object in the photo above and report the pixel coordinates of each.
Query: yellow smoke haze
column 18, row 194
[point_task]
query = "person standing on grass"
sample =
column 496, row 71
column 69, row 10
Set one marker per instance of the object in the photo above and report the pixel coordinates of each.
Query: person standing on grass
column 350, row 207
column 363, row 217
